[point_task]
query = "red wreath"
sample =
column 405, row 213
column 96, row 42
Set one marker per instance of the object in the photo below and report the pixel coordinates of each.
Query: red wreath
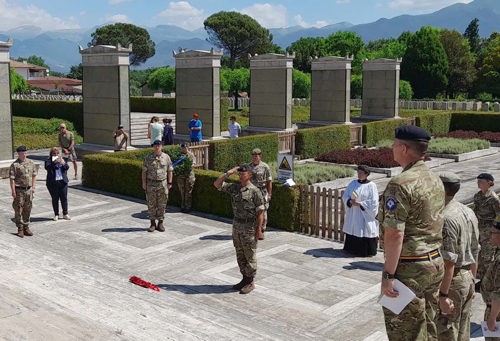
column 139, row 281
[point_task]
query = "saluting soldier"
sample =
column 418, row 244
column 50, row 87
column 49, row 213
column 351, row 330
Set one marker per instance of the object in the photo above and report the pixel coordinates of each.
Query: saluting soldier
column 486, row 207
column 411, row 215
column 186, row 181
column 156, row 181
column 248, row 209
column 263, row 180
column 460, row 253
column 22, row 174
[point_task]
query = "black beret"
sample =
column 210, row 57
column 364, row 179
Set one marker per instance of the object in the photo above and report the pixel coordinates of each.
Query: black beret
column 244, row 168
column 184, row 145
column 21, row 149
column 157, row 143
column 486, row 176
column 412, row 133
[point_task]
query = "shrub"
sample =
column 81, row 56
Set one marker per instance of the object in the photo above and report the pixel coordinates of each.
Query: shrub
column 381, row 130
column 438, row 123
column 311, row 173
column 380, row 158
column 152, row 104
column 405, row 90
column 311, row 142
column 475, row 121
column 447, row 145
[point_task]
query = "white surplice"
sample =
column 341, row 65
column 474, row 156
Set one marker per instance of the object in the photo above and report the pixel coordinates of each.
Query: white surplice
column 357, row 222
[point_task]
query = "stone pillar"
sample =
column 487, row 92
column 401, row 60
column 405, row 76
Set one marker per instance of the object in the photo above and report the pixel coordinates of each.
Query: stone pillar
column 270, row 92
column 197, row 90
column 331, row 90
column 380, row 89
column 106, row 99
column 6, row 138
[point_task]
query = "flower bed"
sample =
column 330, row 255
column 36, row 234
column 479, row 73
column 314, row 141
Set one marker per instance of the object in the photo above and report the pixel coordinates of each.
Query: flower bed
column 469, row 134
column 379, row 158
column 449, row 145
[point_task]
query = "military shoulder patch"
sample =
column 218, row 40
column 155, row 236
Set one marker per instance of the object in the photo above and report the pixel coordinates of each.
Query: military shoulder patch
column 390, row 204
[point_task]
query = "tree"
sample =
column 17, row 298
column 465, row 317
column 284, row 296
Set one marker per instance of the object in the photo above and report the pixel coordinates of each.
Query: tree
column 35, row 60
column 489, row 69
column 405, row 91
column 139, row 78
column 305, row 49
column 461, row 71
column 385, row 48
column 18, row 84
column 301, row 84
column 124, row 34
column 238, row 33
column 344, row 44
column 76, row 72
column 472, row 35
column 425, row 64
column 162, row 79
column 235, row 81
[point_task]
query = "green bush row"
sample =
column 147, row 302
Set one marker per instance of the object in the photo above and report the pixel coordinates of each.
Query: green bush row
column 66, row 110
column 152, row 104
column 374, row 132
column 448, row 145
column 123, row 176
column 438, row 123
column 475, row 121
column 311, row 142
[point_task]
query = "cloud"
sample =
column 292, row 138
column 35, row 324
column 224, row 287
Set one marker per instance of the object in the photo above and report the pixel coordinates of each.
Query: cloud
column 424, row 6
column 342, row 2
column 301, row 22
column 115, row 2
column 269, row 16
column 182, row 14
column 13, row 15
column 117, row 18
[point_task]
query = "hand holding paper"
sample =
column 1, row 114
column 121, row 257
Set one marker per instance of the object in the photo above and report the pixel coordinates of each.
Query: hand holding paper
column 397, row 304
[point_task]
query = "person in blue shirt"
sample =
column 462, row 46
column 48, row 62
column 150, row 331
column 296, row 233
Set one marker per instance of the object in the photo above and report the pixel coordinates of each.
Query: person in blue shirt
column 195, row 128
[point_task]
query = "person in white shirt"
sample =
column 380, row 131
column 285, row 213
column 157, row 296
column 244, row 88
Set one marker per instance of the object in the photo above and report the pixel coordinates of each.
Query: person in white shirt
column 155, row 130
column 233, row 127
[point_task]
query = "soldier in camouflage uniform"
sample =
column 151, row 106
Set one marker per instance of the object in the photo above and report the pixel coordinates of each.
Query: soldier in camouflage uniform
column 157, row 175
column 411, row 216
column 186, row 181
column 263, row 180
column 248, row 208
column 460, row 253
column 486, row 207
column 22, row 174
column 490, row 288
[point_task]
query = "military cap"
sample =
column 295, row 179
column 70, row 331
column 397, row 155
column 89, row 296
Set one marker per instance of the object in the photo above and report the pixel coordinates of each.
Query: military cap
column 184, row 145
column 157, row 143
column 412, row 133
column 449, row 177
column 21, row 149
column 363, row 168
column 256, row 151
column 486, row 176
column 244, row 168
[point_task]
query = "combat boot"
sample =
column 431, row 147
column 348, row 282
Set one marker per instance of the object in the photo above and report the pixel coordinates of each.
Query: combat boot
column 249, row 287
column 20, row 232
column 152, row 228
column 241, row 284
column 160, row 226
column 27, row 231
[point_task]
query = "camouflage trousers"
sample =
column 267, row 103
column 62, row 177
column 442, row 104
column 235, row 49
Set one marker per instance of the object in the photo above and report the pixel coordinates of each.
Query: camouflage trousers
column 186, row 185
column 457, row 326
column 245, row 244
column 491, row 285
column 487, row 250
column 22, row 207
column 157, row 197
column 416, row 321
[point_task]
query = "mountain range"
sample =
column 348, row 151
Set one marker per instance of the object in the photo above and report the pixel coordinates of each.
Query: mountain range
column 59, row 48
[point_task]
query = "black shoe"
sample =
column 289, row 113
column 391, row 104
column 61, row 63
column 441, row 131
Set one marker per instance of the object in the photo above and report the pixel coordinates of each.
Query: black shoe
column 477, row 286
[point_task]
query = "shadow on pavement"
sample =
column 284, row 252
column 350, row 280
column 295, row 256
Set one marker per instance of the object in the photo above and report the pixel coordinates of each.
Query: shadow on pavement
column 125, row 229
column 197, row 289
column 141, row 215
column 38, row 219
column 364, row 265
column 328, row 252
column 217, row 237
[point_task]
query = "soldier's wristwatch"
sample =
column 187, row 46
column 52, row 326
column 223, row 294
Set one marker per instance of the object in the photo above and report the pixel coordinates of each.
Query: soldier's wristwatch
column 386, row 275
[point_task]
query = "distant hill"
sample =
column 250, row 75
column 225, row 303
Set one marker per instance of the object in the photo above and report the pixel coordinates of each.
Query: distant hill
column 60, row 48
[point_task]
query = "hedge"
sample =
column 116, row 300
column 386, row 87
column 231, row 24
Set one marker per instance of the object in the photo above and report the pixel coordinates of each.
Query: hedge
column 438, row 123
column 226, row 153
column 312, row 142
column 476, row 122
column 121, row 175
column 374, row 132
column 152, row 104
column 71, row 111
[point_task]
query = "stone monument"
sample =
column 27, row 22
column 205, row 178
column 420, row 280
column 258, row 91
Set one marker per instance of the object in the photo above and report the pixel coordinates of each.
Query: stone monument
column 6, row 138
column 197, row 90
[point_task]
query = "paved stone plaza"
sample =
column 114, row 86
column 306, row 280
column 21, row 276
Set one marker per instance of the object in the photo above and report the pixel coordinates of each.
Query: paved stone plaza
column 70, row 280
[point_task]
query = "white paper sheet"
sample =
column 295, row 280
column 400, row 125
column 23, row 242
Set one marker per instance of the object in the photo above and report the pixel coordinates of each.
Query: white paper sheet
column 489, row 333
column 397, row 304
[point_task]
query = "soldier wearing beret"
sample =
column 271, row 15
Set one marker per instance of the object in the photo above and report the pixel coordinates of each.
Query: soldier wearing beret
column 157, row 173
column 460, row 253
column 411, row 216
column 22, row 174
column 486, row 207
column 248, row 209
column 263, row 180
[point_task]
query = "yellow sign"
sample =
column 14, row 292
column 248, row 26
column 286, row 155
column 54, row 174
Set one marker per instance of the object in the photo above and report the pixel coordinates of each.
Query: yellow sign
column 285, row 165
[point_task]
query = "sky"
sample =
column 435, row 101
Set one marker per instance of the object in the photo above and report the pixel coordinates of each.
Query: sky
column 85, row 14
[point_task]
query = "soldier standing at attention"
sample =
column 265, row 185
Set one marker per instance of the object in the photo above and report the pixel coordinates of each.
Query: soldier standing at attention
column 263, row 180
column 486, row 207
column 67, row 143
column 186, row 181
column 248, row 208
column 460, row 253
column 490, row 288
column 411, row 215
column 156, row 181
column 22, row 174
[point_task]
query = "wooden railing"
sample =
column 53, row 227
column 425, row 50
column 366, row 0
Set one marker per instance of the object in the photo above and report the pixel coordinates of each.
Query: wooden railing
column 200, row 151
column 286, row 142
column 322, row 212
column 356, row 131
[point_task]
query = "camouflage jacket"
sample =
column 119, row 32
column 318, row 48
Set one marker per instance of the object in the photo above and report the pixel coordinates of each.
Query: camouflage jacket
column 23, row 172
column 261, row 174
column 486, row 207
column 157, row 167
column 246, row 203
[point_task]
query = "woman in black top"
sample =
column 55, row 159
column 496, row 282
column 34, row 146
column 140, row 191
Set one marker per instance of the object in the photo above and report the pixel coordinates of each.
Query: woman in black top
column 57, row 182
